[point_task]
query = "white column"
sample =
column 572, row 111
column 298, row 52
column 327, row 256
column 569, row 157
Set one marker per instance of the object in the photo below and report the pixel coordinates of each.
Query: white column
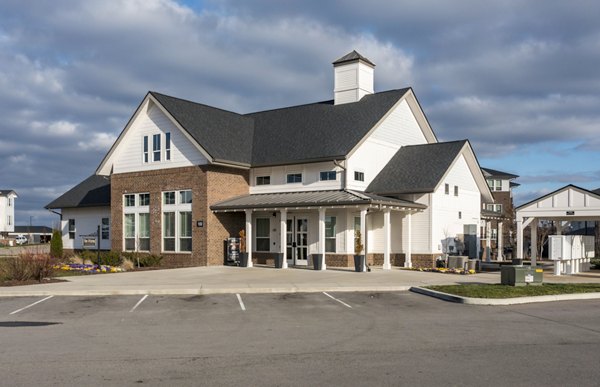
column 500, row 242
column 519, row 252
column 283, row 237
column 408, row 253
column 387, row 239
column 488, row 241
column 363, row 234
column 533, row 227
column 249, row 236
column 559, row 227
column 322, row 236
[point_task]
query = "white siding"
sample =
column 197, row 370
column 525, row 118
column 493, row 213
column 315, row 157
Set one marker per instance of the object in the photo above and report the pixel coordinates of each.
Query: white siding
column 310, row 178
column 7, row 212
column 87, row 221
column 446, row 208
column 421, row 227
column 398, row 129
column 352, row 81
column 128, row 156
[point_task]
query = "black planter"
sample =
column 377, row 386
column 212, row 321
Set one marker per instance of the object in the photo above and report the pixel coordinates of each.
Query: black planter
column 317, row 261
column 243, row 259
column 359, row 261
column 278, row 260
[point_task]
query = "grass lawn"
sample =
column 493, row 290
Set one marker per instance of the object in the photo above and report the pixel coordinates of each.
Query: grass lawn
column 505, row 291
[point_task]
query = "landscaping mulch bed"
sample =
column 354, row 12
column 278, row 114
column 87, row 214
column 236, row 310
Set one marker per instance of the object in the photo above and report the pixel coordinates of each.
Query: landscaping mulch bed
column 30, row 282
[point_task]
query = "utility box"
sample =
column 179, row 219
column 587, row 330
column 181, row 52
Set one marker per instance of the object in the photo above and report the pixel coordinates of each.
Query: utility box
column 521, row 275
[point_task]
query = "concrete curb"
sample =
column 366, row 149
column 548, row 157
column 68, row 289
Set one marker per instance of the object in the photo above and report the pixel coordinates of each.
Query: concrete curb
column 504, row 301
column 200, row 291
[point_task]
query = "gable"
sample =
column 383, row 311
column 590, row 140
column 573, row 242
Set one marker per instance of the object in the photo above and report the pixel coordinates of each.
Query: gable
column 568, row 197
column 127, row 153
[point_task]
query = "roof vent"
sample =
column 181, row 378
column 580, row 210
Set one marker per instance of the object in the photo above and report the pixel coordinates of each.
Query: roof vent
column 353, row 78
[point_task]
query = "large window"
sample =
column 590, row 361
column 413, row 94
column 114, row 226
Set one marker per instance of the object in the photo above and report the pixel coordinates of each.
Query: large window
column 105, row 231
column 136, row 222
column 177, row 221
column 71, row 228
column 156, row 148
column 330, row 233
column 327, row 175
column 263, row 241
column 294, row 178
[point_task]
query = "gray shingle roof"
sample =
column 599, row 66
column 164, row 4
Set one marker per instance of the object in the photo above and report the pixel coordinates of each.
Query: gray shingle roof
column 5, row 192
column 224, row 135
column 308, row 199
column 416, row 168
column 352, row 56
column 488, row 172
column 92, row 192
column 318, row 131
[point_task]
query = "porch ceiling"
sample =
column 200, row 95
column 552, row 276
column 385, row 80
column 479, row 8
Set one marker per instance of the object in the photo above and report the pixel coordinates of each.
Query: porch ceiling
column 307, row 199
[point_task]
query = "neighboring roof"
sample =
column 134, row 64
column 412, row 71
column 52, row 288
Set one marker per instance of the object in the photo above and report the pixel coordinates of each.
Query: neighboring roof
column 416, row 168
column 224, row 135
column 488, row 214
column 351, row 57
column 92, row 192
column 6, row 192
column 594, row 193
column 33, row 230
column 488, row 172
column 514, row 185
column 309, row 199
column 318, row 131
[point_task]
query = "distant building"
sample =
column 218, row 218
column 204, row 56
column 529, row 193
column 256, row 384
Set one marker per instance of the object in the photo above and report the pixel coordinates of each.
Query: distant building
column 7, row 211
column 34, row 234
column 498, row 218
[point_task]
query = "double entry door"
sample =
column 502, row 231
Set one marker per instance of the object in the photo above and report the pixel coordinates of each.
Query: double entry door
column 297, row 240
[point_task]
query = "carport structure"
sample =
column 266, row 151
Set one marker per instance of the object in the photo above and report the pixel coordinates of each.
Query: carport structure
column 567, row 204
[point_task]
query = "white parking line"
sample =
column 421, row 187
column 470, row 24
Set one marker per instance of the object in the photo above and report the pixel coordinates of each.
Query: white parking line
column 241, row 302
column 29, row 306
column 138, row 303
column 340, row 301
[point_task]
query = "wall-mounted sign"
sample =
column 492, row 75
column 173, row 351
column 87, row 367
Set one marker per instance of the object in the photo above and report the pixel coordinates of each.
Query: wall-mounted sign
column 199, row 223
column 570, row 212
column 88, row 242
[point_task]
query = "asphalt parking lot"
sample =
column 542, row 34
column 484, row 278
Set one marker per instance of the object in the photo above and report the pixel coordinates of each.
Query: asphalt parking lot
column 361, row 338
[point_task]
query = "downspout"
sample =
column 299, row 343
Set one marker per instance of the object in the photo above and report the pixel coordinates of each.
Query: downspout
column 338, row 164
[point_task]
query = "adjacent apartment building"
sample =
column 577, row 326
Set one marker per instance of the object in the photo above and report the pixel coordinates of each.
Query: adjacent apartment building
column 7, row 212
column 299, row 180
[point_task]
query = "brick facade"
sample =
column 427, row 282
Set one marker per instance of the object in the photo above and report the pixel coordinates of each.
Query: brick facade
column 209, row 184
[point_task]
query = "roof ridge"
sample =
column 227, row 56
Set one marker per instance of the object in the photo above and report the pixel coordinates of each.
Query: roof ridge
column 197, row 103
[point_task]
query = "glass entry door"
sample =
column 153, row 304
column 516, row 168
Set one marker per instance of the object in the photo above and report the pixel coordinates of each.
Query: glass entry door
column 297, row 241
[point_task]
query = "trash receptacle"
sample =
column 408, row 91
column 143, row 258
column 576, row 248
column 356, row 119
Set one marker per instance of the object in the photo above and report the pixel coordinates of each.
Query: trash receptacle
column 359, row 261
column 317, row 261
column 278, row 260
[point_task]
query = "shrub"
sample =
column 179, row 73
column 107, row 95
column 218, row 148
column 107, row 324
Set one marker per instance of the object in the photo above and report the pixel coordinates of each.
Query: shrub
column 28, row 266
column 110, row 258
column 150, row 260
column 56, row 245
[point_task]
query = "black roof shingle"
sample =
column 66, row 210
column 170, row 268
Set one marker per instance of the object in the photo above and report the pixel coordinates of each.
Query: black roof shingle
column 92, row 192
column 416, row 168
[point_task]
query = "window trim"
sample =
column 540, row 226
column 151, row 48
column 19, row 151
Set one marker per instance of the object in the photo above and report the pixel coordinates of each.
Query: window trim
column 334, row 237
column 359, row 176
column 145, row 156
column 168, row 146
column 178, row 208
column 105, row 229
column 136, row 209
column 263, row 238
column 156, row 151
column 71, row 230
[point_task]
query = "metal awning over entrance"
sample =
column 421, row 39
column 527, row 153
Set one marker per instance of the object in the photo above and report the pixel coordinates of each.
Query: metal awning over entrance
column 570, row 203
column 312, row 199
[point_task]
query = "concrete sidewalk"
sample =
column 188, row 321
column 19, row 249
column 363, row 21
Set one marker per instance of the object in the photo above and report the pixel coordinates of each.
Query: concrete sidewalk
column 214, row 280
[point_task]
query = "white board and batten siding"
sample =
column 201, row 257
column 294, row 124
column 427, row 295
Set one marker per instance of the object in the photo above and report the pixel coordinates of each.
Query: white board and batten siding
column 150, row 121
column 569, row 202
column 310, row 178
column 398, row 129
column 446, row 207
column 87, row 221
column 7, row 213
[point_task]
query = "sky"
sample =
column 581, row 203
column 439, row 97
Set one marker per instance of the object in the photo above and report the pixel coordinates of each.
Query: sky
column 519, row 79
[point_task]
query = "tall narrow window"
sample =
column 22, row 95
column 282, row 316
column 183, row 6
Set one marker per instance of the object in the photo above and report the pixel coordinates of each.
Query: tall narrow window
column 145, row 149
column 71, row 228
column 105, row 228
column 447, row 189
column 455, row 190
column 185, row 231
column 10, row 201
column 330, row 233
column 168, row 146
column 263, row 241
column 129, row 232
column 169, row 231
column 156, row 147
column 144, row 233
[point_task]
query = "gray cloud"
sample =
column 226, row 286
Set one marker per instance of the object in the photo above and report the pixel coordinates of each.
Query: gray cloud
column 506, row 75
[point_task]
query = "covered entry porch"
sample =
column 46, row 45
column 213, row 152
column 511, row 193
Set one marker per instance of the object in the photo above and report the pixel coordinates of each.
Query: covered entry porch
column 321, row 227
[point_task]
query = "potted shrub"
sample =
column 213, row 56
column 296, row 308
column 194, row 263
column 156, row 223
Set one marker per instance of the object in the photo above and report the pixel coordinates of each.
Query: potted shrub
column 359, row 258
column 278, row 260
column 243, row 253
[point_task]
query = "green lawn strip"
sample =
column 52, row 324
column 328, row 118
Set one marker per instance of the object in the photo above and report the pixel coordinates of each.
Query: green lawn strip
column 504, row 291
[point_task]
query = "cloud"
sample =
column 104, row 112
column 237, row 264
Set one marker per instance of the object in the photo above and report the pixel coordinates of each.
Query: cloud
column 98, row 141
